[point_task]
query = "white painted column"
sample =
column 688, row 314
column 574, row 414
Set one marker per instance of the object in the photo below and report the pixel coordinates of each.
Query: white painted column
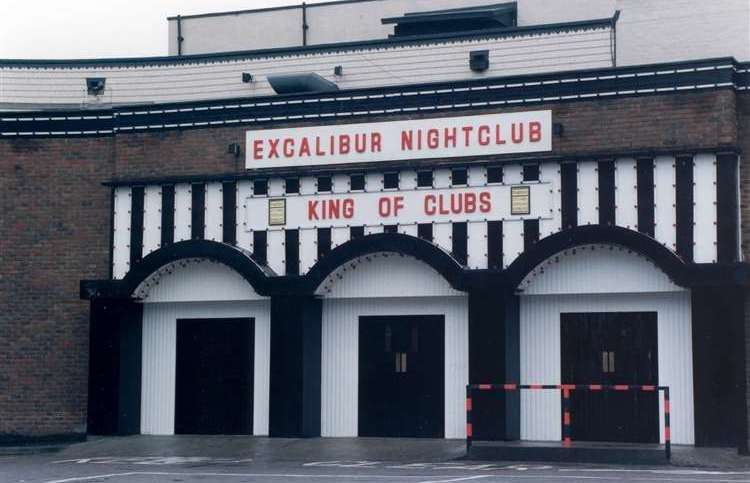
column 151, row 219
column 626, row 193
column 276, row 252
column 214, row 215
column 244, row 237
column 588, row 194
column 442, row 233
column 665, row 201
column 183, row 202
column 121, row 241
column 704, row 199
column 550, row 173
column 512, row 229
column 340, row 235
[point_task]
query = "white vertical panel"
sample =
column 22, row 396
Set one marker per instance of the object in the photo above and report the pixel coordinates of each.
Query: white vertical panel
column 214, row 215
column 512, row 230
column 182, row 205
column 151, row 219
column 308, row 185
column 373, row 182
column 626, row 193
column 477, row 245
column 121, row 241
column 340, row 235
column 477, row 176
column 665, row 201
column 340, row 357
column 704, row 198
column 550, row 173
column 588, row 196
column 308, row 249
column 371, row 230
column 442, row 236
column 441, row 178
column 159, row 358
column 275, row 238
column 540, row 355
column 407, row 180
column 244, row 237
column 408, row 229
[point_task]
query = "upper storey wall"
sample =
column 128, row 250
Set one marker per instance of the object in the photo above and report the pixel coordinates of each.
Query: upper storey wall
column 649, row 31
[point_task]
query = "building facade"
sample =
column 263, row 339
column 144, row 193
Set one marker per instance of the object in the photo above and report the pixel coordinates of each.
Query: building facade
column 334, row 239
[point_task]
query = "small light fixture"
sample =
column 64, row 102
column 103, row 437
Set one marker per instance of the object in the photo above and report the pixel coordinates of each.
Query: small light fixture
column 234, row 149
column 247, row 78
column 95, row 85
column 558, row 129
column 479, row 60
column 338, row 71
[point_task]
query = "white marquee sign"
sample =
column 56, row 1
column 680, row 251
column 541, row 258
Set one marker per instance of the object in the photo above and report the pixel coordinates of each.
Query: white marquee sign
column 497, row 202
column 447, row 137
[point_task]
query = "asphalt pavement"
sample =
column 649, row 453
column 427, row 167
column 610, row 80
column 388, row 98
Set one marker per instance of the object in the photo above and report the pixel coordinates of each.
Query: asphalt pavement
column 144, row 459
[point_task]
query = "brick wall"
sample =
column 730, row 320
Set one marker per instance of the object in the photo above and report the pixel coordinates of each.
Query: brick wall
column 56, row 217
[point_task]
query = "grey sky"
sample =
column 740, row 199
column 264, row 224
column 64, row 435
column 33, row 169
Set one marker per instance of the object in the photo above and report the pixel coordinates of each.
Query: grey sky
column 59, row 29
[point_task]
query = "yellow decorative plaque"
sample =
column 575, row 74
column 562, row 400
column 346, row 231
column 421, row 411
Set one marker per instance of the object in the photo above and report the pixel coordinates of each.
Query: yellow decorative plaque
column 277, row 212
column 520, row 200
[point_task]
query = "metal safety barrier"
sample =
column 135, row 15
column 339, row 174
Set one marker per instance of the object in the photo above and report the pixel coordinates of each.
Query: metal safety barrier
column 566, row 388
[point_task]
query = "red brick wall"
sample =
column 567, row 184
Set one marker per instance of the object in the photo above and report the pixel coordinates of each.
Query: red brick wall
column 56, row 217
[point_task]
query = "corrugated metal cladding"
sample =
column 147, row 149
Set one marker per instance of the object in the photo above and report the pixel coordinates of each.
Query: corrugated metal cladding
column 439, row 60
column 625, row 194
column 199, row 281
column 369, row 290
column 574, row 284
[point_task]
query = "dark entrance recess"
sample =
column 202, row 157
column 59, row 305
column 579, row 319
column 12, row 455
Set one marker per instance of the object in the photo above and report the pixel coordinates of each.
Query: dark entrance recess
column 611, row 348
column 401, row 376
column 214, row 384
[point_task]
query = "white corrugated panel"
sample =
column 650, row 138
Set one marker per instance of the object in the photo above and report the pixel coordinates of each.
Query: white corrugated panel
column 214, row 215
column 195, row 280
column 160, row 354
column 244, row 237
column 588, row 196
column 340, row 357
column 477, row 245
column 665, row 201
column 590, row 269
column 121, row 241
column 540, row 355
column 385, row 275
column 182, row 205
column 626, row 193
column 151, row 219
column 704, row 197
column 550, row 173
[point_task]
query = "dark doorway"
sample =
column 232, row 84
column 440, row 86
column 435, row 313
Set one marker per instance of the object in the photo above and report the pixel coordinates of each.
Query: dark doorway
column 611, row 348
column 401, row 376
column 214, row 383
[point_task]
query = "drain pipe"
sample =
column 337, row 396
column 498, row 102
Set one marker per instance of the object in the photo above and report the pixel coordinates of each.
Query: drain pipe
column 304, row 24
column 180, row 38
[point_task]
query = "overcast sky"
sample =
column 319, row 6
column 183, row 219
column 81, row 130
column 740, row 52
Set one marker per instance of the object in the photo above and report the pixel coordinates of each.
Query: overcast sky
column 63, row 29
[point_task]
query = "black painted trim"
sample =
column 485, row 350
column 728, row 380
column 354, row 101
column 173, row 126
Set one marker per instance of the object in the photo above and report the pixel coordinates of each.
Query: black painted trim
column 684, row 205
column 569, row 195
column 229, row 212
column 198, row 211
column 645, row 195
column 260, row 246
column 137, row 195
column 111, row 265
column 530, row 233
column 727, row 208
column 459, row 242
column 291, row 251
column 425, row 231
column 422, row 250
column 324, row 242
column 167, row 215
column 661, row 256
column 355, row 104
column 606, row 172
column 495, row 245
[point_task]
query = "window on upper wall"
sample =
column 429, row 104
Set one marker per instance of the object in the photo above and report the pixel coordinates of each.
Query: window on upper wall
column 390, row 181
column 324, row 184
column 531, row 172
column 459, row 177
column 260, row 187
column 424, row 179
column 495, row 174
column 292, row 185
column 357, row 182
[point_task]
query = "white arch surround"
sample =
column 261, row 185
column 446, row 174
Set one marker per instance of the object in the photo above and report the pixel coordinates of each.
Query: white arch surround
column 601, row 278
column 196, row 288
column 386, row 284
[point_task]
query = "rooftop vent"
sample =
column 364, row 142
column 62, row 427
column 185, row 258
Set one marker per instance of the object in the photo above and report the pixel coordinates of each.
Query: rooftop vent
column 502, row 15
column 300, row 83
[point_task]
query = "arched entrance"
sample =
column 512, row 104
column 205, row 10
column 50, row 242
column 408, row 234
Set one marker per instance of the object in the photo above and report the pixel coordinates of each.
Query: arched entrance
column 394, row 346
column 602, row 313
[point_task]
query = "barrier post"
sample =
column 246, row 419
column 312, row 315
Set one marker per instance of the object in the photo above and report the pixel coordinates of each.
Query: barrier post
column 566, row 416
column 667, row 431
column 469, row 428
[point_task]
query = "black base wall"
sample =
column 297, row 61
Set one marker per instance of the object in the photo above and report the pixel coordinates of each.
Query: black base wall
column 114, row 404
column 493, row 358
column 295, row 367
column 719, row 366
